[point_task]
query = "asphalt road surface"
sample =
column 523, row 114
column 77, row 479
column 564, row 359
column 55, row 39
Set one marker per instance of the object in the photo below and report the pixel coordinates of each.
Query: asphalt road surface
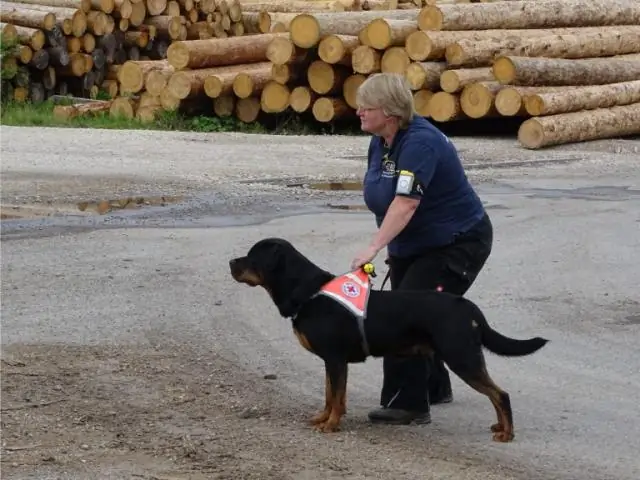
column 129, row 351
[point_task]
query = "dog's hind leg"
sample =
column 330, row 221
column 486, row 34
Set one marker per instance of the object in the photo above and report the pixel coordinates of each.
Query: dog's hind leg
column 336, row 396
column 478, row 378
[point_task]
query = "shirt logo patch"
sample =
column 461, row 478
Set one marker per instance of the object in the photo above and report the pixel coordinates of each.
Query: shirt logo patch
column 388, row 167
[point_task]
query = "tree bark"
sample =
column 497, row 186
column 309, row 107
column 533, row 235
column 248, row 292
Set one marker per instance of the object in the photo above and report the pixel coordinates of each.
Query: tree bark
column 432, row 45
column 539, row 14
column 513, row 70
column 618, row 121
column 67, row 112
column 27, row 17
column 220, row 51
column 84, row 5
column 610, row 41
column 583, row 98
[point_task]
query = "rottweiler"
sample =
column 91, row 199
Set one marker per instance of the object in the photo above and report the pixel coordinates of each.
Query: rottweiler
column 400, row 322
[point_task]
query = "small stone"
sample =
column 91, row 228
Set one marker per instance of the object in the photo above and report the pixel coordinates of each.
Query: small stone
column 218, row 302
column 270, row 376
column 84, row 446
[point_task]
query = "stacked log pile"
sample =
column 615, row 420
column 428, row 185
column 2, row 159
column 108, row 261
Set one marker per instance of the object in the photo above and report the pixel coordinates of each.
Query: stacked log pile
column 567, row 70
column 77, row 46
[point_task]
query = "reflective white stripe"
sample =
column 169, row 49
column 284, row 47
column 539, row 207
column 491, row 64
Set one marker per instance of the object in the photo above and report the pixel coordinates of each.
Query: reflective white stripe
column 356, row 279
column 344, row 302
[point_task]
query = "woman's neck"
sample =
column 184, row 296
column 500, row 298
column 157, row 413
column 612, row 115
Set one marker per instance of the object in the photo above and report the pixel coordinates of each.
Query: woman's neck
column 389, row 134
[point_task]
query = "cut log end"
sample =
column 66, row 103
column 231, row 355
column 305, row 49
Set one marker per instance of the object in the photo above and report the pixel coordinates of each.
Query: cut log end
column 331, row 49
column 350, row 89
column 327, row 109
column 395, row 60
column 248, row 109
column 304, row 30
column 421, row 102
column 430, row 18
column 508, row 102
column 504, row 70
column 301, row 99
column 223, row 105
column 534, row 105
column 477, row 100
column 444, row 107
column 213, row 86
column 280, row 51
column 123, row 107
column 274, row 98
column 365, row 60
column 178, row 55
column 243, row 85
column 179, row 84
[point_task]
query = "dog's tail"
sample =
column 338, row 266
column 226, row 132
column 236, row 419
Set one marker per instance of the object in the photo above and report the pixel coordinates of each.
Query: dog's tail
column 500, row 345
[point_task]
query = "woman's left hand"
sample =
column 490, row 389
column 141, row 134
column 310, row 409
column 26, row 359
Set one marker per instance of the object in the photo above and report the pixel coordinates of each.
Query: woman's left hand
column 364, row 257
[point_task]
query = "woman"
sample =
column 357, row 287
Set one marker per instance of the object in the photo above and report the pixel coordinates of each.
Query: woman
column 431, row 221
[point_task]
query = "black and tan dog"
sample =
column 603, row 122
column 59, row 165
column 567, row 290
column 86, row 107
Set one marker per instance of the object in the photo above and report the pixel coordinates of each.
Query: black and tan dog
column 396, row 322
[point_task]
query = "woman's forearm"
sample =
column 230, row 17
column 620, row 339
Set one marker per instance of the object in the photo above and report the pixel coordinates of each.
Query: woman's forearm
column 398, row 215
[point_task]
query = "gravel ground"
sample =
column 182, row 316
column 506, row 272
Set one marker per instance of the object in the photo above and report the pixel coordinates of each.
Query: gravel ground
column 128, row 351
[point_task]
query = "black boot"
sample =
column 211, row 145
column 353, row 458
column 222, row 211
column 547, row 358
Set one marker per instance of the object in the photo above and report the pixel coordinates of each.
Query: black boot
column 397, row 416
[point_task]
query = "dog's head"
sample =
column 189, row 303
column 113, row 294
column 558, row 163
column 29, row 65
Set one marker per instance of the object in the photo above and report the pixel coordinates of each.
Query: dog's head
column 288, row 276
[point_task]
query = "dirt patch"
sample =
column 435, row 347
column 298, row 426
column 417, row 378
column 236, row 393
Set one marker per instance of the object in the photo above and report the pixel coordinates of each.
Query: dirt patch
column 160, row 413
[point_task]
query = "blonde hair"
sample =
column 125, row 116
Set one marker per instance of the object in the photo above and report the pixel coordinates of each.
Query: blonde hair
column 389, row 91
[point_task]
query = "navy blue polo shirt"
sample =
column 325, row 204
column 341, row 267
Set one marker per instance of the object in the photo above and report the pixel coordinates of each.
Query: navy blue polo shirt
column 448, row 203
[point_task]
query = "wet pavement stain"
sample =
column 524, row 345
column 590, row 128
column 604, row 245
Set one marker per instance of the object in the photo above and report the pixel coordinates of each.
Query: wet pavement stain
column 598, row 193
column 330, row 186
column 102, row 207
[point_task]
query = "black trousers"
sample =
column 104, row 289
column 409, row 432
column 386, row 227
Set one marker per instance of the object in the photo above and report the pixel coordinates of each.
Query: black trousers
column 410, row 381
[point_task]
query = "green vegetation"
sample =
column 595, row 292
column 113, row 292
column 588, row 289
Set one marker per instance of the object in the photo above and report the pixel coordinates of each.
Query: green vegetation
column 41, row 115
column 34, row 115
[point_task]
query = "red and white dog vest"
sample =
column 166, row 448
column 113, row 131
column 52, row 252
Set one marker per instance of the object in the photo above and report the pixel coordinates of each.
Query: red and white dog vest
column 350, row 290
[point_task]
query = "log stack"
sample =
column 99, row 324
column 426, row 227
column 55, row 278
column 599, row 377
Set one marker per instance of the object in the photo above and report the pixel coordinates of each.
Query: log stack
column 77, row 46
column 565, row 70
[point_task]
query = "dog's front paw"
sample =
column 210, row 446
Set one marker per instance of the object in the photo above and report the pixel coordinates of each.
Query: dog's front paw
column 503, row 437
column 327, row 427
column 320, row 417
column 497, row 427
